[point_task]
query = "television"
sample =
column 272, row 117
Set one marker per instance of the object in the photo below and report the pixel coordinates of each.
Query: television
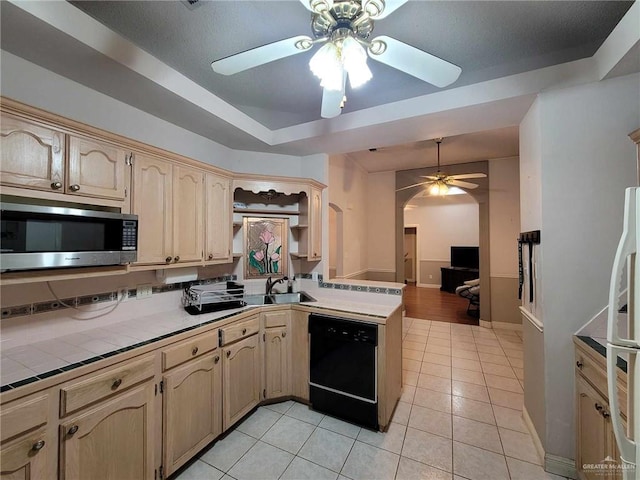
column 465, row 257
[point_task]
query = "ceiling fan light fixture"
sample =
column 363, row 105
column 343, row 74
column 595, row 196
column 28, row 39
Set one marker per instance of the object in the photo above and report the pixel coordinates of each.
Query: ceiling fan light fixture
column 326, row 64
column 439, row 189
column 354, row 59
column 373, row 7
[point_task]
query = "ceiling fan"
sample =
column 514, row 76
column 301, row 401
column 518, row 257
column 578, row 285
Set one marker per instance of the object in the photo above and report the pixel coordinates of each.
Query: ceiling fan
column 439, row 183
column 344, row 27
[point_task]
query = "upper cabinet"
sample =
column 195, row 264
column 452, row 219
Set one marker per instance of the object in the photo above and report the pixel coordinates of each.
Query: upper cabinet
column 315, row 224
column 96, row 169
column 32, row 155
column 41, row 158
column 218, row 218
column 168, row 199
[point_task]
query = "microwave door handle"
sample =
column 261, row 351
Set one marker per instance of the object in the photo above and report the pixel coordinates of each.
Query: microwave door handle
column 626, row 247
column 626, row 446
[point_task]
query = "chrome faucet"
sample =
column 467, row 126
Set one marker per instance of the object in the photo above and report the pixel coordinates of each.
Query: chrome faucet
column 272, row 283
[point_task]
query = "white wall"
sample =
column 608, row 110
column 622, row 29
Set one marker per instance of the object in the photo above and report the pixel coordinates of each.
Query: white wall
column 381, row 198
column 504, row 216
column 348, row 190
column 443, row 222
column 587, row 160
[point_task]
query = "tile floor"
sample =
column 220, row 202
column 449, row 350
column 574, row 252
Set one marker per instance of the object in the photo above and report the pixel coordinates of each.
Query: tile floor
column 459, row 418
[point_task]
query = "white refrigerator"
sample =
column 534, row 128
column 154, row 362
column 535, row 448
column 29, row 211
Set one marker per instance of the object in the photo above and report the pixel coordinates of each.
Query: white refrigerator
column 623, row 335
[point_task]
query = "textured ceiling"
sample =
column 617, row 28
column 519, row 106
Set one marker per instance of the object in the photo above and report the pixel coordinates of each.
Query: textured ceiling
column 278, row 104
column 487, row 39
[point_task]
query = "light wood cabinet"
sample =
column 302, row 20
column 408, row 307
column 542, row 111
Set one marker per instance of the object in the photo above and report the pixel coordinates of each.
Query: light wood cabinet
column 218, row 219
column 595, row 440
column 168, row 200
column 277, row 353
column 192, row 409
column 32, row 155
column 300, row 354
column 188, row 203
column 241, row 372
column 28, row 447
column 112, row 441
column 35, row 157
column 96, row 169
column 315, row 224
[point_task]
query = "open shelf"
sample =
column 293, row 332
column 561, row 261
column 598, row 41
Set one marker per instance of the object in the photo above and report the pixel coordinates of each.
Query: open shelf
column 298, row 227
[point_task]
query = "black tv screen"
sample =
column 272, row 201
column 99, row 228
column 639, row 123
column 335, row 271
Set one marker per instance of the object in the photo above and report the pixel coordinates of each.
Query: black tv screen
column 465, row 257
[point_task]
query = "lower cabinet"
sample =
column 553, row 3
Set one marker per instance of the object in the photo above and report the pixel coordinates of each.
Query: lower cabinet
column 241, row 367
column 26, row 457
column 277, row 353
column 192, row 411
column 112, row 441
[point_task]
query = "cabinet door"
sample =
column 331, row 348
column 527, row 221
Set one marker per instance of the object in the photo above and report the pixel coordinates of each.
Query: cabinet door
column 218, row 218
column 300, row 354
column 591, row 429
column 276, row 362
column 188, row 202
column 152, row 202
column 192, row 409
column 32, row 156
column 27, row 457
column 315, row 224
column 113, row 441
column 96, row 169
column 241, row 379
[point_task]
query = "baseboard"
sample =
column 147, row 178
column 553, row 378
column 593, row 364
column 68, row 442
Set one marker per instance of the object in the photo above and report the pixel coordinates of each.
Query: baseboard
column 428, row 285
column 534, row 433
column 485, row 323
column 562, row 466
column 507, row 326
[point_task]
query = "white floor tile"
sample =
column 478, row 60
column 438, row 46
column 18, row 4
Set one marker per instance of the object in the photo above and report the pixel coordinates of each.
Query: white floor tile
column 528, row 471
column 428, row 448
column 477, row 464
column 327, row 449
column 261, row 461
column 228, row 451
column 301, row 469
column 430, row 421
column 339, row 426
column 432, row 399
column 475, row 433
column 390, row 440
column 519, row 445
column 259, row 422
column 473, row 409
column 288, row 434
column 411, row 470
column 199, row 470
column 304, row 413
column 470, row 390
column 366, row 462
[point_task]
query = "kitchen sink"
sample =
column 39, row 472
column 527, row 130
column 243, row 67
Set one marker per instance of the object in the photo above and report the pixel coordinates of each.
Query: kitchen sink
column 278, row 298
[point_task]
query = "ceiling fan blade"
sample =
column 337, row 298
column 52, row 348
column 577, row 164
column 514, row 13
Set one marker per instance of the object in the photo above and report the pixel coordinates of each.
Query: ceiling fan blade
column 306, row 4
column 458, row 183
column 390, row 6
column 413, row 61
column 332, row 100
column 261, row 55
column 468, row 175
column 430, row 177
column 414, row 185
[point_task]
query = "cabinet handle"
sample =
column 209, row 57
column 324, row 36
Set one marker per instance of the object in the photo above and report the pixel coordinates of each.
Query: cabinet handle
column 116, row 383
column 284, row 334
column 72, row 430
column 598, row 407
column 605, row 414
column 216, row 359
column 38, row 445
column 56, row 185
column 228, row 353
column 168, row 259
column 211, row 256
column 75, row 187
column 194, row 351
column 176, row 258
column 244, row 331
column 579, row 364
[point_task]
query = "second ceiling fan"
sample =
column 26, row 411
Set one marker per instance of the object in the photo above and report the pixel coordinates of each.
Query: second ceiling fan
column 344, row 27
column 439, row 183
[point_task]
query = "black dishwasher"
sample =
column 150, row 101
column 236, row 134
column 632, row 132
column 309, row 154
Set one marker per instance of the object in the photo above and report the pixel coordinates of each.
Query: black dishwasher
column 343, row 369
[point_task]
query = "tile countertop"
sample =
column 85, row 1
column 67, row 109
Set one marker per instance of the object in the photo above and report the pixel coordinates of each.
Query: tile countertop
column 39, row 346
column 594, row 334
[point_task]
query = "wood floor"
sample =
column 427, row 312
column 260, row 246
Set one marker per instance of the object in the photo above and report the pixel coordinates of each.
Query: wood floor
column 433, row 304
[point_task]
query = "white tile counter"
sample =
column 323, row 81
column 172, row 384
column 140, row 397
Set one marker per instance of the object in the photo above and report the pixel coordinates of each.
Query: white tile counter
column 41, row 345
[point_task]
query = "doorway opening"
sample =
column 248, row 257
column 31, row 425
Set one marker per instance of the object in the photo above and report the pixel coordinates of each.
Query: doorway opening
column 336, row 239
column 411, row 271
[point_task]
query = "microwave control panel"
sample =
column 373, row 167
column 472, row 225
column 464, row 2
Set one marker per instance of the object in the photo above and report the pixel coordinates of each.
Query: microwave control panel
column 129, row 235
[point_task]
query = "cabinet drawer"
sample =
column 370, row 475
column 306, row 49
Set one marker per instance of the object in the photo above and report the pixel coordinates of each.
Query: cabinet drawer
column 103, row 384
column 191, row 348
column 277, row 318
column 22, row 416
column 239, row 330
column 596, row 375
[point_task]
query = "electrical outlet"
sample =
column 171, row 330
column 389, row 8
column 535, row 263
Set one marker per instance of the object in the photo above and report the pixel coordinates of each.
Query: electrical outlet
column 430, row 277
column 123, row 294
column 143, row 291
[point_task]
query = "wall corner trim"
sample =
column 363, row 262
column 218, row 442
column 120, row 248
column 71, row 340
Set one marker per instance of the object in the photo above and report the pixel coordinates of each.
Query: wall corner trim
column 534, row 433
column 533, row 320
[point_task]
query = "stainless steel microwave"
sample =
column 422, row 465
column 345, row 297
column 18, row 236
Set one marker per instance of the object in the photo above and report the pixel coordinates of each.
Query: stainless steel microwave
column 37, row 237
